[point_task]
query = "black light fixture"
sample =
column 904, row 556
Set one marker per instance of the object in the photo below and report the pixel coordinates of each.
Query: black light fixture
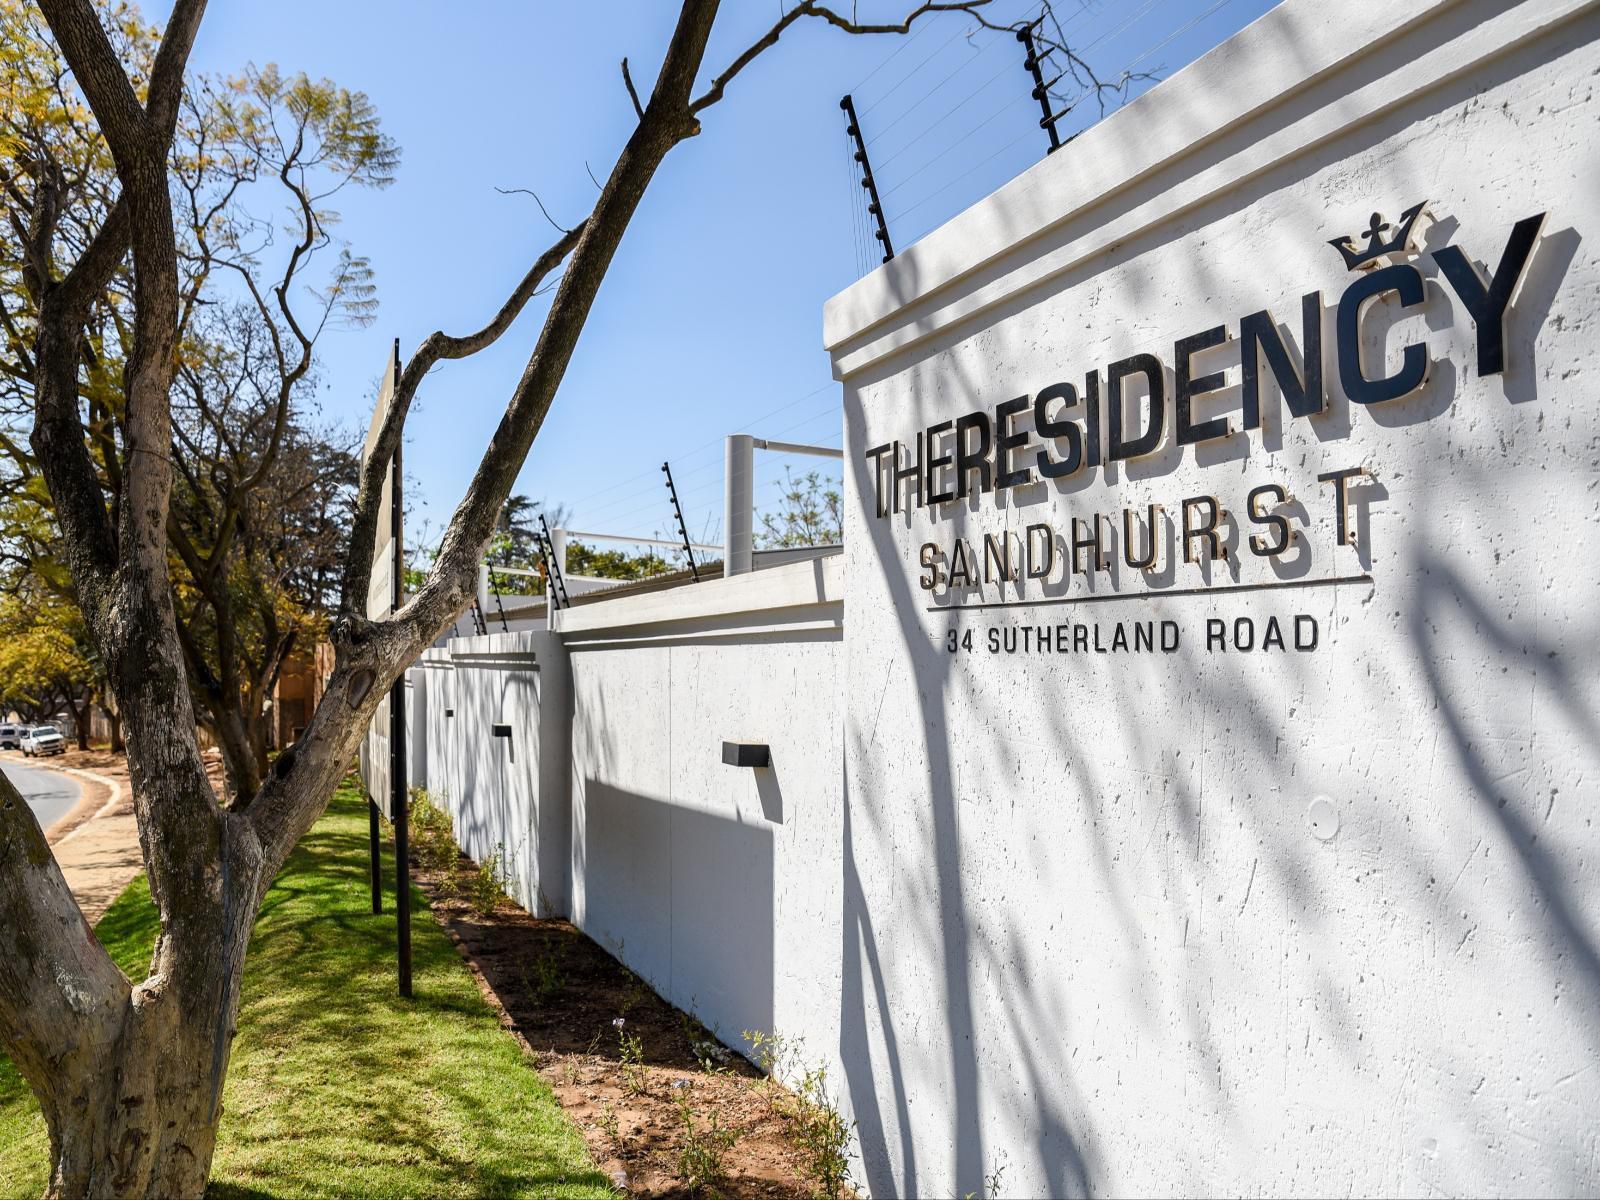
column 747, row 754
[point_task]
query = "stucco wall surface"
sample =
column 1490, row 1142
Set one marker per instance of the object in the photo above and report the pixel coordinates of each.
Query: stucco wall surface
column 494, row 753
column 717, row 884
column 1270, row 921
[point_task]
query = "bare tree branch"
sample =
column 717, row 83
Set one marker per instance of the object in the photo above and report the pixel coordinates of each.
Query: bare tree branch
column 437, row 346
column 530, row 192
column 808, row 8
column 633, row 93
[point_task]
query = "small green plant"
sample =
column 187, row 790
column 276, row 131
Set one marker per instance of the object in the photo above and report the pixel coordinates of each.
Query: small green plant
column 630, row 1048
column 441, row 855
column 773, row 1057
column 712, row 1056
column 488, row 886
column 432, row 836
column 545, row 979
column 820, row 1130
column 635, row 991
column 700, row 1158
column 993, row 1180
column 609, row 1123
column 824, row 1136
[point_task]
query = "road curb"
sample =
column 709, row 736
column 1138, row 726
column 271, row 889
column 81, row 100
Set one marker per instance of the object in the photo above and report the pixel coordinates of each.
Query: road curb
column 113, row 786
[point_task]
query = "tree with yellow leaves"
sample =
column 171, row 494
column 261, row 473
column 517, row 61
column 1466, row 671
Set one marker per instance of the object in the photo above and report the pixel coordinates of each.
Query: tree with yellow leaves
column 262, row 492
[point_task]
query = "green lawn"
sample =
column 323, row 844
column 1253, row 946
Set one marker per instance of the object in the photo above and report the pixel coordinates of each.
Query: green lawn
column 338, row 1087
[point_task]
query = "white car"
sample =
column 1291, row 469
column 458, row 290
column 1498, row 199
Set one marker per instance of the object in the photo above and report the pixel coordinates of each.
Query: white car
column 43, row 739
column 11, row 737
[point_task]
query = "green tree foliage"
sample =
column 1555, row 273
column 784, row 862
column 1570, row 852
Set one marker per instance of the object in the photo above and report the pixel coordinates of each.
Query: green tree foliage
column 46, row 664
column 613, row 564
column 263, row 491
column 809, row 513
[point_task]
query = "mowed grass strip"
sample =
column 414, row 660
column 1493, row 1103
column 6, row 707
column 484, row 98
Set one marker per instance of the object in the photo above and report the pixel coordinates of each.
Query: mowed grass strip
column 337, row 1086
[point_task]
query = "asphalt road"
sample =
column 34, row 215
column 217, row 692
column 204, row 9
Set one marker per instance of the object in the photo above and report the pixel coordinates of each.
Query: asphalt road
column 50, row 794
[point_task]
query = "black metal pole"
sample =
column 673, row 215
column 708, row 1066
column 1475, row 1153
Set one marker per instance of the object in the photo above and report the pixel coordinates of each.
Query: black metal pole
column 1041, row 92
column 683, row 530
column 397, row 750
column 375, row 831
column 875, row 205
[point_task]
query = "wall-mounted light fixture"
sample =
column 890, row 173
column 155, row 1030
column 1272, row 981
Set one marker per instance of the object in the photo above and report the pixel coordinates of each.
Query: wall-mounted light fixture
column 502, row 731
column 747, row 754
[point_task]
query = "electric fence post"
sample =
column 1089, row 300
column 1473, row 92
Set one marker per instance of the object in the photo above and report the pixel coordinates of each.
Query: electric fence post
column 683, row 530
column 875, row 204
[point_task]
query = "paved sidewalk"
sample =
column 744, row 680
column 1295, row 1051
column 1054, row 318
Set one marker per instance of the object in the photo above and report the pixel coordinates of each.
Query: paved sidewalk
column 97, row 843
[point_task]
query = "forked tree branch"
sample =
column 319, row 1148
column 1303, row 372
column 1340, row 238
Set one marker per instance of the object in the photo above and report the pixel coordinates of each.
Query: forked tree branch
column 438, row 345
column 633, row 92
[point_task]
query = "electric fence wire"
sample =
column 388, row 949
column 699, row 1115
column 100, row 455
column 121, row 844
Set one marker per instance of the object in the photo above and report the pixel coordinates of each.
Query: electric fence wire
column 904, row 79
column 1111, row 33
column 905, row 44
column 716, row 483
column 965, row 64
column 984, row 123
column 923, row 201
column 850, row 185
column 612, row 508
column 857, row 210
column 967, row 174
column 992, row 40
column 713, row 488
column 934, row 126
column 699, row 450
column 629, row 505
column 1179, row 32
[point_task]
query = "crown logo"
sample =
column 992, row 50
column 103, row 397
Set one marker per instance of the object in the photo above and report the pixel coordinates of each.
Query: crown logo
column 1377, row 249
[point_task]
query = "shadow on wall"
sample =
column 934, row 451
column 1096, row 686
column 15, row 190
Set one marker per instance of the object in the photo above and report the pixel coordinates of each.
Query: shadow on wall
column 658, row 879
column 1043, row 1106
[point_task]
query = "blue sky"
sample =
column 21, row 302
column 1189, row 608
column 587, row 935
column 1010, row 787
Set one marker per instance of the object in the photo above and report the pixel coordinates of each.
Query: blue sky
column 710, row 320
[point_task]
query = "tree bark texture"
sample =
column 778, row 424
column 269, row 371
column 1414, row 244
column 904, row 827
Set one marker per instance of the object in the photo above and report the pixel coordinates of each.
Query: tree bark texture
column 130, row 1077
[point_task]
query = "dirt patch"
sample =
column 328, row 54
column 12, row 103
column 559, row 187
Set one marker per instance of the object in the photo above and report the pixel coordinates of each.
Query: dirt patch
column 635, row 1088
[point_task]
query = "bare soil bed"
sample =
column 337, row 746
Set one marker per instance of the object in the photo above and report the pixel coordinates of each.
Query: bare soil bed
column 562, row 995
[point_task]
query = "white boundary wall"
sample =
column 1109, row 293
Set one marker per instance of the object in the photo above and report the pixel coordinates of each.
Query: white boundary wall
column 1305, row 922
column 620, row 811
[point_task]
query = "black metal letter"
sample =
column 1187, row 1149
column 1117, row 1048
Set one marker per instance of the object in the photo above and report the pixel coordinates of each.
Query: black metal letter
column 1050, row 428
column 969, row 459
column 1186, row 386
column 1149, row 366
column 1487, row 303
column 1406, row 281
column 1302, row 389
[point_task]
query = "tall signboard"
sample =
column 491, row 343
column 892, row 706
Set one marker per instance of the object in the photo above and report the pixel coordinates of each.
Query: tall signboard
column 383, row 753
column 381, row 595
column 1221, row 548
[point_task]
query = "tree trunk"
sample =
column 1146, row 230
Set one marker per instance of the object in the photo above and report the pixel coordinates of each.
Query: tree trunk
column 117, row 744
column 143, row 1124
column 80, row 722
column 140, row 1118
column 242, row 770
